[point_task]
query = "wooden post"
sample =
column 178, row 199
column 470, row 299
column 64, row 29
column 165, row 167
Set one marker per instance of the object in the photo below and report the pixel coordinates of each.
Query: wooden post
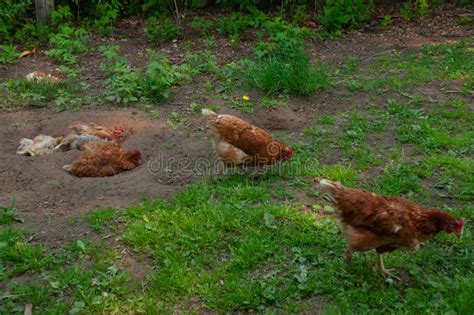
column 43, row 11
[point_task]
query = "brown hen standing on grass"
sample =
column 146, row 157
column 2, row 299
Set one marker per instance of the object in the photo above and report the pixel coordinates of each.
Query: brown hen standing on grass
column 239, row 143
column 106, row 160
column 384, row 223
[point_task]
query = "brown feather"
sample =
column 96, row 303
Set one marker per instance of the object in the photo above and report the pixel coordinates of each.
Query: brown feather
column 384, row 223
column 239, row 142
column 106, row 160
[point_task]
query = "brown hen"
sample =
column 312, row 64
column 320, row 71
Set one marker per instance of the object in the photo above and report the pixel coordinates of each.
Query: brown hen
column 106, row 160
column 239, row 143
column 384, row 223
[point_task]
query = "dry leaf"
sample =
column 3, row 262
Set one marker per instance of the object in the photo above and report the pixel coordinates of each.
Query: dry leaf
column 27, row 52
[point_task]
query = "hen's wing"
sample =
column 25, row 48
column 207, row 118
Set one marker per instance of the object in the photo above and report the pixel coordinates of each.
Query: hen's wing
column 243, row 135
column 362, row 209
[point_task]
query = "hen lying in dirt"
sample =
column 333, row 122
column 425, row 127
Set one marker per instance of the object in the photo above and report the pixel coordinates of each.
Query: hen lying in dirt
column 105, row 160
column 85, row 133
column 40, row 145
column 239, row 143
column 384, row 223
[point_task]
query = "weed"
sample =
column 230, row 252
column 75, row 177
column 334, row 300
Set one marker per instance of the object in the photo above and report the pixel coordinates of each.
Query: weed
column 406, row 12
column 202, row 25
column 23, row 93
column 339, row 15
column 106, row 14
column 175, row 121
column 210, row 41
column 244, row 105
column 422, row 7
column 386, row 21
column 196, row 108
column 465, row 20
column 160, row 30
column 8, row 214
column 300, row 16
column 68, row 41
column 8, row 54
column 325, row 120
column 271, row 103
column 125, row 86
column 61, row 15
column 100, row 218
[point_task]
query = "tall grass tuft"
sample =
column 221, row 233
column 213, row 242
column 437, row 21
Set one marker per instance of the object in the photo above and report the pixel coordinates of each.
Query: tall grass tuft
column 293, row 74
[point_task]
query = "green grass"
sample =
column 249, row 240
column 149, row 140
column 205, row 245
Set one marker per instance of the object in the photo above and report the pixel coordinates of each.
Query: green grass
column 30, row 94
column 295, row 75
column 398, row 72
column 99, row 219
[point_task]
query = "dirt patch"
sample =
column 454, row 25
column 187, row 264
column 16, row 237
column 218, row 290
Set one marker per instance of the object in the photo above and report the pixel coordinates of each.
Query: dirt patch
column 48, row 197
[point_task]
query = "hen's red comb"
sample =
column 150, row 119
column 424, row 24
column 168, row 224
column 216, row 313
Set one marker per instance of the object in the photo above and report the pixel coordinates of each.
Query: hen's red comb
column 119, row 128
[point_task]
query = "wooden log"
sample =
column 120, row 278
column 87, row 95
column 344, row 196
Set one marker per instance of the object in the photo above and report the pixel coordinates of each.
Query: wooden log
column 44, row 8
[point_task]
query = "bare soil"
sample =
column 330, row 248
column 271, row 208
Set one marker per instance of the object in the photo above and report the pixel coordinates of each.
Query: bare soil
column 49, row 198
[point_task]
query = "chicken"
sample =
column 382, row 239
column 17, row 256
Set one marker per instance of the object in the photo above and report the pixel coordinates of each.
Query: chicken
column 42, row 76
column 80, row 142
column 40, row 145
column 106, row 160
column 239, row 143
column 90, row 133
column 384, row 223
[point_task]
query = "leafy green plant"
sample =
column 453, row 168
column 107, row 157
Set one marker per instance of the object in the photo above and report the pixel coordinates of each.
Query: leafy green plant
column 284, row 39
column 8, row 214
column 202, row 25
column 340, row 15
column 235, row 24
column 176, row 120
column 245, row 106
column 8, row 54
column 61, row 15
column 407, row 12
column 106, row 14
column 160, row 30
column 125, row 85
column 422, row 7
column 68, row 41
column 465, row 20
column 300, row 16
column 386, row 21
column 13, row 14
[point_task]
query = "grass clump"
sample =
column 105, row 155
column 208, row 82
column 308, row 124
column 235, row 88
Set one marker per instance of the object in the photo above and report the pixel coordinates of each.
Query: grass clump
column 280, row 75
column 18, row 256
column 31, row 94
column 163, row 29
column 8, row 54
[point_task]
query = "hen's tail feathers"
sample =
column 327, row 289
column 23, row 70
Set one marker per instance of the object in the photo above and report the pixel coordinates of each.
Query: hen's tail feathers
column 209, row 113
column 67, row 167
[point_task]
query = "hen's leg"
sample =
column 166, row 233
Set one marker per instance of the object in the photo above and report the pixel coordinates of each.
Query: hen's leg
column 348, row 254
column 381, row 268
